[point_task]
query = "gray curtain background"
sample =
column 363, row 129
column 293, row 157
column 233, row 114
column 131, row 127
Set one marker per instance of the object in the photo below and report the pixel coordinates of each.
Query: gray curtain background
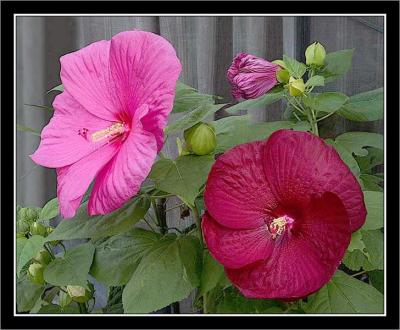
column 205, row 46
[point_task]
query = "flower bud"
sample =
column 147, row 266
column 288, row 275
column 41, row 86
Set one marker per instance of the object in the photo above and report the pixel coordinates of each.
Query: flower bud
column 201, row 139
column 296, row 86
column 35, row 272
column 315, row 54
column 38, row 229
column 282, row 75
column 251, row 76
column 43, row 257
column 79, row 293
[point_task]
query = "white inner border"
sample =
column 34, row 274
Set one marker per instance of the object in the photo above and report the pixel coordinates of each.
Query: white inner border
column 199, row 15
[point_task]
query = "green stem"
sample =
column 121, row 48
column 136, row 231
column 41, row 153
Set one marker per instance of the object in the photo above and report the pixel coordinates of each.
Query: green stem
column 197, row 220
column 82, row 308
column 49, row 250
column 159, row 210
column 295, row 106
column 174, row 207
column 359, row 273
column 324, row 117
column 150, row 226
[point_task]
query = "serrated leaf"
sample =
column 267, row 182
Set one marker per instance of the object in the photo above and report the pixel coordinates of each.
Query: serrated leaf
column 295, row 68
column 84, row 226
column 346, row 295
column 117, row 258
column 337, row 64
column 190, row 253
column 371, row 182
column 374, row 204
column 183, row 176
column 272, row 96
column 315, row 81
column 187, row 98
column 357, row 259
column 356, row 242
column 367, row 106
column 72, row 268
column 212, row 274
column 355, row 142
column 27, row 249
column 373, row 240
column 326, row 102
column 346, row 156
column 50, row 210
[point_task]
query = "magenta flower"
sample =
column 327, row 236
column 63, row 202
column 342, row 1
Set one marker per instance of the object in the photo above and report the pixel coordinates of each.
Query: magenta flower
column 251, row 76
column 108, row 123
column 280, row 214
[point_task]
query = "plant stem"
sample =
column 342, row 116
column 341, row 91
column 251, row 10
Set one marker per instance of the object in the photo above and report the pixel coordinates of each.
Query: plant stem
column 176, row 308
column 159, row 210
column 150, row 226
column 197, row 219
column 174, row 207
column 82, row 308
column 359, row 273
column 324, row 117
column 46, row 246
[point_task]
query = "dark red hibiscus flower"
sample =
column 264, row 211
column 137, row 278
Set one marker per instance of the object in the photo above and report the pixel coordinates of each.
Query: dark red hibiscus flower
column 280, row 214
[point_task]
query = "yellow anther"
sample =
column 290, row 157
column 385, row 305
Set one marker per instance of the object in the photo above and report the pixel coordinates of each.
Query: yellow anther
column 113, row 130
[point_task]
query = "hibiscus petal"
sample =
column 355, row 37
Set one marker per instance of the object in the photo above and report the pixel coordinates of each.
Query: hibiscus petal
column 74, row 180
column 121, row 178
column 237, row 194
column 236, row 248
column 306, row 260
column 61, row 141
column 85, row 75
column 299, row 164
column 145, row 68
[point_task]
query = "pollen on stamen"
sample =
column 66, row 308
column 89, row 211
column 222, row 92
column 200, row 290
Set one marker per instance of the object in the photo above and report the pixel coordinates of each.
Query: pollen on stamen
column 108, row 133
column 278, row 225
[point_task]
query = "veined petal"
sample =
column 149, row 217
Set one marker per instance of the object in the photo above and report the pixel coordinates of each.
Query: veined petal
column 121, row 178
column 74, row 180
column 66, row 138
column 85, row 75
column 236, row 248
column 237, row 193
column 145, row 68
column 299, row 165
column 306, row 261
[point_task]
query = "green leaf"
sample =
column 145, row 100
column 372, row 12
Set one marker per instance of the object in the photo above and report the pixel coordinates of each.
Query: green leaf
column 28, row 293
column 337, row 64
column 72, row 268
column 367, row 106
column 346, row 156
column 315, row 81
column 346, row 295
column 159, row 280
column 233, row 302
column 58, row 88
column 27, row 249
column 373, row 240
column 295, row 68
column 272, row 96
column 56, row 309
column 84, row 226
column 212, row 274
column 193, row 117
column 182, row 177
column 369, row 162
column 27, row 129
column 356, row 242
column 355, row 142
column 326, row 102
column 377, row 279
column 228, row 124
column 187, row 98
column 374, row 204
column 117, row 258
column 246, row 132
column 190, row 253
column 371, row 182
column 357, row 259
column 50, row 210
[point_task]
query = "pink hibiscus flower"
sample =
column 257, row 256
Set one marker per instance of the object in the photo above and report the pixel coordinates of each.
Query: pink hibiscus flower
column 280, row 214
column 108, row 123
column 251, row 76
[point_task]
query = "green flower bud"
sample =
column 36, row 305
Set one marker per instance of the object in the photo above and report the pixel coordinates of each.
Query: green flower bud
column 315, row 54
column 43, row 257
column 79, row 293
column 38, row 229
column 35, row 272
column 201, row 139
column 282, row 75
column 296, row 86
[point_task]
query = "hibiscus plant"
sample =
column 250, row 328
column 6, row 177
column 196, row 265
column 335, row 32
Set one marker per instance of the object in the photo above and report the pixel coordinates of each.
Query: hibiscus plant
column 248, row 218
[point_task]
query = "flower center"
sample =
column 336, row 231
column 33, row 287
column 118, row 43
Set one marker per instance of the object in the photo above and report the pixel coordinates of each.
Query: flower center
column 114, row 130
column 278, row 225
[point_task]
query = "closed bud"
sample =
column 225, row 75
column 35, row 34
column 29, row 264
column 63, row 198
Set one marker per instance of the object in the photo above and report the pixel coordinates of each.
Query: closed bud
column 79, row 293
column 296, row 86
column 282, row 75
column 201, row 139
column 43, row 257
column 315, row 54
column 38, row 229
column 35, row 272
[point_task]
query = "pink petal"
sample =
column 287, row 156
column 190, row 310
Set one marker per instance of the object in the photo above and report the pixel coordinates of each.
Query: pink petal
column 145, row 68
column 299, row 164
column 306, row 261
column 121, row 178
column 61, row 142
column 236, row 248
column 74, row 180
column 237, row 194
column 85, row 75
